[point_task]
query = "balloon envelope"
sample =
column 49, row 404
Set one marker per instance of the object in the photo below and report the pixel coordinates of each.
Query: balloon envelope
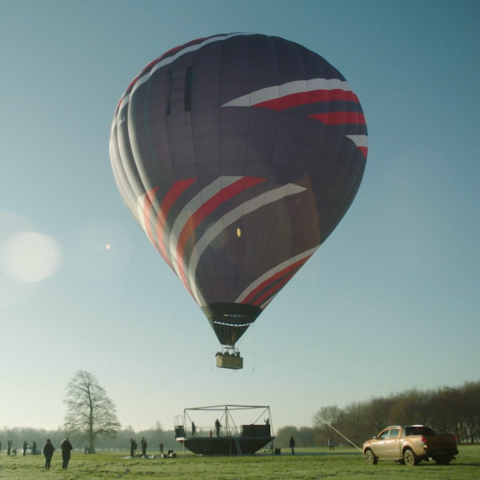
column 238, row 155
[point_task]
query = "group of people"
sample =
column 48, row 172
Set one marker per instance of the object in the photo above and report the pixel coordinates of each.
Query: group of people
column 48, row 450
column 25, row 447
column 143, row 444
column 13, row 451
column 10, row 450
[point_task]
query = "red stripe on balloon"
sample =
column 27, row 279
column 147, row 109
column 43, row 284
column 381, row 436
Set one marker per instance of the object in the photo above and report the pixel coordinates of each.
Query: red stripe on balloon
column 168, row 201
column 272, row 290
column 208, row 207
column 273, row 278
column 303, row 98
column 147, row 211
column 364, row 151
column 339, row 118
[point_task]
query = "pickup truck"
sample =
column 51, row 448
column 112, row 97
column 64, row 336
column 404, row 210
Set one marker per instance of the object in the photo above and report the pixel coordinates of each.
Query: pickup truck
column 409, row 445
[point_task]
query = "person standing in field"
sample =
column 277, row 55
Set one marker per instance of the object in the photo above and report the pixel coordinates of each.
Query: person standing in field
column 161, row 447
column 9, row 447
column 132, row 450
column 143, row 443
column 66, row 447
column 48, row 450
column 292, row 444
column 135, row 446
column 24, row 448
column 330, row 444
column 34, row 448
column 217, row 427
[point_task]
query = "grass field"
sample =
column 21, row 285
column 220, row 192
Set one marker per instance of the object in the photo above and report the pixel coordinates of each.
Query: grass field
column 305, row 464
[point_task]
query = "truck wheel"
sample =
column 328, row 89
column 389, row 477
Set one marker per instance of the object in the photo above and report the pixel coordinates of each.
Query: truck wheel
column 370, row 457
column 410, row 458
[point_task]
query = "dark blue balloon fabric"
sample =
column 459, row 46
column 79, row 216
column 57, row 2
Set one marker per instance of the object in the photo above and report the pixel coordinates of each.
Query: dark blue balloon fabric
column 238, row 155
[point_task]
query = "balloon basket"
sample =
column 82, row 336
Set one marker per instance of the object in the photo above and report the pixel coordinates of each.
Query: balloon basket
column 226, row 360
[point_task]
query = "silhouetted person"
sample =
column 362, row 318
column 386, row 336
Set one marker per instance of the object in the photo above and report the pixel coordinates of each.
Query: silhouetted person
column 143, row 443
column 34, row 448
column 67, row 448
column 9, row 447
column 292, row 444
column 24, row 448
column 194, row 429
column 161, row 448
column 48, row 450
column 330, row 444
column 217, row 427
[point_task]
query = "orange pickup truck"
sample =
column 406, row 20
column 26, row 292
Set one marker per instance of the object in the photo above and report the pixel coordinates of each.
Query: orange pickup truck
column 409, row 445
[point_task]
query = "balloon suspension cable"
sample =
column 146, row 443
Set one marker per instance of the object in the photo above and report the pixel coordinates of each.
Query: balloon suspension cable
column 342, row 435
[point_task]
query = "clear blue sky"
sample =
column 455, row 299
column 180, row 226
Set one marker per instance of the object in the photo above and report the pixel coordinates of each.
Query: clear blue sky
column 390, row 302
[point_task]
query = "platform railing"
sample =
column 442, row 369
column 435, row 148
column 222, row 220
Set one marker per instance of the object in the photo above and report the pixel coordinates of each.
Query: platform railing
column 210, row 431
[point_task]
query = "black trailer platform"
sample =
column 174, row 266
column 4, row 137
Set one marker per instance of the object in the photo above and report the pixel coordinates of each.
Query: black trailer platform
column 222, row 436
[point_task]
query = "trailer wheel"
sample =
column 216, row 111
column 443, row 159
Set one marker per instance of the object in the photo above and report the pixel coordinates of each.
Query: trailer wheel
column 370, row 457
column 410, row 458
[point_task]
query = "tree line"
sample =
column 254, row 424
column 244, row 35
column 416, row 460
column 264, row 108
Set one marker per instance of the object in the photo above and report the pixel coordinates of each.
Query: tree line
column 445, row 410
column 91, row 421
column 154, row 436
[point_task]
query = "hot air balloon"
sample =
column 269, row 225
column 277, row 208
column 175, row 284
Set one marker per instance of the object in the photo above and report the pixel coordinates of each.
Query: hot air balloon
column 238, row 155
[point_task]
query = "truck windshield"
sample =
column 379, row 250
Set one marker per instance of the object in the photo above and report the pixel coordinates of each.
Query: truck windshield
column 420, row 430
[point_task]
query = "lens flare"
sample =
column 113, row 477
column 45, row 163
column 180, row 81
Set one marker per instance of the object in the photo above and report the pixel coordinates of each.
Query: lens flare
column 30, row 257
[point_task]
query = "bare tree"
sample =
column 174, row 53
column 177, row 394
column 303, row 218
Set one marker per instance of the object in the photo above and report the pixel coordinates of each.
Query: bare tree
column 90, row 412
column 323, row 421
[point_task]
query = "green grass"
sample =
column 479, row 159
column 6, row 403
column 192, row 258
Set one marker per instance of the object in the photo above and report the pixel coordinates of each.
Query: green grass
column 306, row 464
